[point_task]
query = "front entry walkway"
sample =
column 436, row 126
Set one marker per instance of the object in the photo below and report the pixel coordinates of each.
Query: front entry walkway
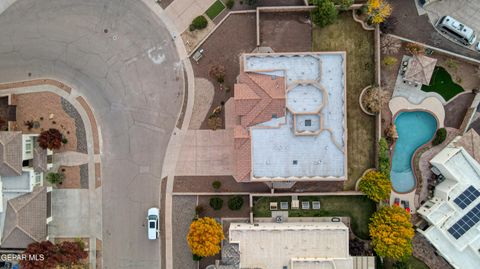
column 206, row 153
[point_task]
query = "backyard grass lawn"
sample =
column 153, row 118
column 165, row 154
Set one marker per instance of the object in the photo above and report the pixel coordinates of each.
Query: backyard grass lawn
column 358, row 207
column 215, row 9
column 442, row 84
column 347, row 35
column 416, row 263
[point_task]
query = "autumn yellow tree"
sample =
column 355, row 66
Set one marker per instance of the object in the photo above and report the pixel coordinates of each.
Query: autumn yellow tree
column 391, row 232
column 376, row 185
column 378, row 11
column 205, row 236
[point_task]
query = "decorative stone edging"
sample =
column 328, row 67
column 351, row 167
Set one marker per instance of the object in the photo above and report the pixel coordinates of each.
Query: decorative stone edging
column 361, row 104
column 363, row 174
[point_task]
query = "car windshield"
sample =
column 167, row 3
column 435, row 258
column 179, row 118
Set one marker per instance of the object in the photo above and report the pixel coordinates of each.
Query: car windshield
column 152, row 217
column 152, row 224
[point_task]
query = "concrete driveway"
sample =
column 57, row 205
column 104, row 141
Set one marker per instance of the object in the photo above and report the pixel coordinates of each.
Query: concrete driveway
column 121, row 58
column 182, row 12
column 206, row 153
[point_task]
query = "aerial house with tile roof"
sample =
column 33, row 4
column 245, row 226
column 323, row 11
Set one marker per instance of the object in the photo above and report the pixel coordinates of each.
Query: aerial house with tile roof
column 290, row 117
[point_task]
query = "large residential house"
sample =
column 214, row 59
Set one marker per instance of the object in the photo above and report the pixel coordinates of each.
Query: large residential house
column 290, row 117
column 25, row 209
column 453, row 214
column 290, row 245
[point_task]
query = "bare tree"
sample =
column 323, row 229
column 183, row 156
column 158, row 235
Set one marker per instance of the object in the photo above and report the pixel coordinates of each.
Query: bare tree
column 390, row 45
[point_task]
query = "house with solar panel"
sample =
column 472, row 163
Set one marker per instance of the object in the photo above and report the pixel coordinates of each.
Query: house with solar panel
column 289, row 115
column 453, row 214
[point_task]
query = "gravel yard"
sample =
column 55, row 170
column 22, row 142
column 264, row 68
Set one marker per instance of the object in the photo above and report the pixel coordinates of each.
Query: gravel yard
column 183, row 211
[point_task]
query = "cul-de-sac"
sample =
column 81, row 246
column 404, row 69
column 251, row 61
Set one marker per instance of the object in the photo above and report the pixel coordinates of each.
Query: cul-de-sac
column 239, row 134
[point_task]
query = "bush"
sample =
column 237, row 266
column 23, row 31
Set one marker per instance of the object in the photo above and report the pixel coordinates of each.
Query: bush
column 198, row 23
column 373, row 99
column 196, row 257
column 389, row 25
column 198, row 209
column 218, row 73
column 216, row 184
column 414, row 48
column 51, row 139
column 235, row 203
column 325, row 13
column 55, row 178
column 216, row 203
column 440, row 136
column 383, row 157
column 343, row 4
column 389, row 60
column 230, row 4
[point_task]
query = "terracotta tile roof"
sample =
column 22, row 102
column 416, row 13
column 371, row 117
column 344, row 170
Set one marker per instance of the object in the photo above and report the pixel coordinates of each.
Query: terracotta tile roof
column 470, row 141
column 25, row 219
column 11, row 153
column 257, row 99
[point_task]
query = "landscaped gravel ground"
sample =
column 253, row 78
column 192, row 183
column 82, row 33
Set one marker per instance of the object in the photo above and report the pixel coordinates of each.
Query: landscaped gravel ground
column 183, row 211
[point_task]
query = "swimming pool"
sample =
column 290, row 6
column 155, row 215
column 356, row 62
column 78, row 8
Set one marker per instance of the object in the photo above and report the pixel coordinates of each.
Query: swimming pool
column 414, row 129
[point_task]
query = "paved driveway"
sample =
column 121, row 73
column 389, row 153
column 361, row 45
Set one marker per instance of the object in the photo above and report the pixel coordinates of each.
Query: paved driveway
column 465, row 11
column 206, row 153
column 122, row 59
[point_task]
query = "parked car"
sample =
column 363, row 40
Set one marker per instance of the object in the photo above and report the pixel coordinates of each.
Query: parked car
column 153, row 217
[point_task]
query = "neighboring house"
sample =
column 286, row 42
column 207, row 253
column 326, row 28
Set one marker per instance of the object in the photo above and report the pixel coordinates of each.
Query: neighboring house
column 25, row 203
column 453, row 213
column 290, row 117
column 290, row 245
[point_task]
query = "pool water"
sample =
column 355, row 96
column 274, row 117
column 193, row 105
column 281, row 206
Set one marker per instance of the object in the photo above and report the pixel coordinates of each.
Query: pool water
column 414, row 129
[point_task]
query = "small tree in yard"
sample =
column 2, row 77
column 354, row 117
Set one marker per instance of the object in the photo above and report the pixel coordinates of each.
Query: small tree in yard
column 55, row 178
column 414, row 49
column 204, row 237
column 324, row 13
column 375, row 185
column 198, row 23
column 390, row 45
column 378, row 11
column 216, row 184
column 216, row 203
column 391, row 232
column 218, row 73
column 389, row 25
column 66, row 253
column 51, row 139
column 235, row 203
column 373, row 99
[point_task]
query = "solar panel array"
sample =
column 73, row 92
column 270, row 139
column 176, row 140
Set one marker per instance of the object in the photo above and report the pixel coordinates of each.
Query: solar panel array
column 467, row 197
column 464, row 224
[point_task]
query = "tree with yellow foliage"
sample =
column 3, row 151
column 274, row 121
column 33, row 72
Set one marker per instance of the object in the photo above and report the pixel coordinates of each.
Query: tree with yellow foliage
column 205, row 236
column 376, row 185
column 378, row 11
column 391, row 232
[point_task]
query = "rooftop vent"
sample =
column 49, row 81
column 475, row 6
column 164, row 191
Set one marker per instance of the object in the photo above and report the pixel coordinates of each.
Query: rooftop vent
column 308, row 122
column 295, row 162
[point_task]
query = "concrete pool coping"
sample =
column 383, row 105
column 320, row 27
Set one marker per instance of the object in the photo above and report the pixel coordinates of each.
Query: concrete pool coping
column 429, row 104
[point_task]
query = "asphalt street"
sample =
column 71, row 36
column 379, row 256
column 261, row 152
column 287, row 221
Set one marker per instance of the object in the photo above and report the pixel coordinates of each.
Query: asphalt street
column 121, row 58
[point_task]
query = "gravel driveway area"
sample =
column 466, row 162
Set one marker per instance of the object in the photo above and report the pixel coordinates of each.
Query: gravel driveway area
column 183, row 211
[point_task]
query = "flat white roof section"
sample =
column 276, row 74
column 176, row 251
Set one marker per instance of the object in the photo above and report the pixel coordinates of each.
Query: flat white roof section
column 295, row 245
column 454, row 211
column 309, row 143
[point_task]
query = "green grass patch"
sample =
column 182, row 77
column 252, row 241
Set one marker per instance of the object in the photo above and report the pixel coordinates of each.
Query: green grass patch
column 416, row 263
column 358, row 207
column 443, row 84
column 215, row 9
column 347, row 35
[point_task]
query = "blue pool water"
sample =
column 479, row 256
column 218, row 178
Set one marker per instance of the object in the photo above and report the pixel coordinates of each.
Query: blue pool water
column 414, row 129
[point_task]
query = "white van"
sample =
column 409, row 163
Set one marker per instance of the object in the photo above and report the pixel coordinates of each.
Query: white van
column 456, row 30
column 153, row 216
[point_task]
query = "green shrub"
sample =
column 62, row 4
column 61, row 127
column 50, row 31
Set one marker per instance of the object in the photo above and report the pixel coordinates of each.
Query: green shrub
column 235, row 203
column 198, row 209
column 196, row 257
column 216, row 184
column 216, row 203
column 383, row 157
column 230, row 4
column 325, row 13
column 343, row 4
column 55, row 178
column 64, row 140
column 440, row 136
column 198, row 23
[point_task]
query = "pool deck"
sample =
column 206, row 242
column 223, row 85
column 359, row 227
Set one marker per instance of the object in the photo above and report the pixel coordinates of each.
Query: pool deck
column 429, row 104
column 410, row 197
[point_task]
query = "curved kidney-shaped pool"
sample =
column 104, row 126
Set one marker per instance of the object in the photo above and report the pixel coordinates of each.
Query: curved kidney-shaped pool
column 414, row 129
